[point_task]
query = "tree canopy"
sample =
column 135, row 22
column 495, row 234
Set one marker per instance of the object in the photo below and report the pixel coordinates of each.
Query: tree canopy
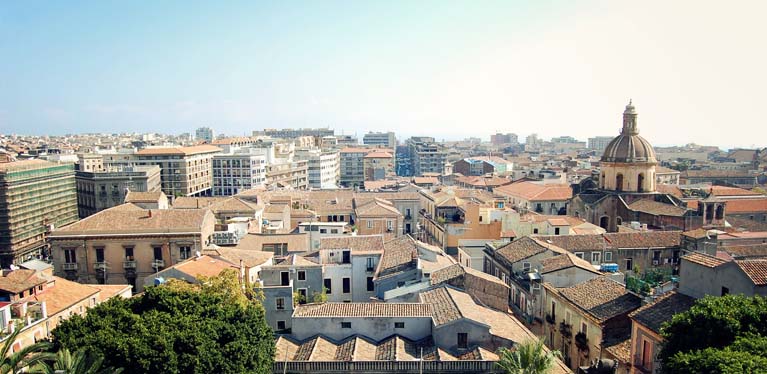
column 717, row 335
column 529, row 357
column 211, row 327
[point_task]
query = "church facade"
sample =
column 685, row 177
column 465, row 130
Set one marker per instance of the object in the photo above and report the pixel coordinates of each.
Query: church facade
column 626, row 189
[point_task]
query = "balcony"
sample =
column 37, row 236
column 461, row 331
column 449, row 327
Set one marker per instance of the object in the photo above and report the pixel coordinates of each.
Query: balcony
column 100, row 266
column 69, row 266
column 156, row 264
column 129, row 264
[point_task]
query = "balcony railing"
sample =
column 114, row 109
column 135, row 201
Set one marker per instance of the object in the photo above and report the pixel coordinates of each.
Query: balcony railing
column 69, row 266
column 158, row 264
column 100, row 266
column 129, row 264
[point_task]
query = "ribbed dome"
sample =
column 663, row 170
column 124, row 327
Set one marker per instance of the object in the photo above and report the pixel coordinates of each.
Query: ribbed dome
column 629, row 147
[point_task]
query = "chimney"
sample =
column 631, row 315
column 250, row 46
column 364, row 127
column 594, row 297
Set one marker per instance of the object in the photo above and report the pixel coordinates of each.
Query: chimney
column 149, row 213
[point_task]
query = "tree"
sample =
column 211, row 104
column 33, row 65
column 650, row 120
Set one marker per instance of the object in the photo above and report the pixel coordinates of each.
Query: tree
column 30, row 356
column 211, row 327
column 527, row 358
column 79, row 363
column 718, row 334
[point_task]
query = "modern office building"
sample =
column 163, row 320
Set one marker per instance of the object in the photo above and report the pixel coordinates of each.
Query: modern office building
column 36, row 196
column 186, row 171
column 386, row 139
column 322, row 166
column 204, row 133
column 426, row 156
column 99, row 190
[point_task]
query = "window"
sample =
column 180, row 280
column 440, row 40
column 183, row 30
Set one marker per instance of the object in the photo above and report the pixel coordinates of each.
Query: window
column 371, row 285
column 584, row 328
column 323, row 231
column 284, row 278
column 646, row 354
column 328, row 284
column 69, row 256
column 389, row 225
column 370, row 264
column 596, row 257
column 399, row 325
column 157, row 253
column 301, row 275
column 567, row 317
column 346, row 257
column 535, row 231
column 280, row 325
column 334, row 231
column 556, row 231
column 99, row 254
column 346, row 325
column 725, row 291
column 608, row 256
column 185, row 252
column 280, row 302
column 370, row 224
column 579, row 254
column 463, row 340
column 526, row 266
column 302, row 295
column 553, row 310
column 629, row 264
column 347, row 286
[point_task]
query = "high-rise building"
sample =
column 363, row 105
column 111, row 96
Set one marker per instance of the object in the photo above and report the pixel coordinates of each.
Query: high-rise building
column 352, row 166
column 99, row 190
column 35, row 197
column 426, row 156
column 386, row 139
column 204, row 133
column 599, row 143
column 323, row 167
column 185, row 171
column 241, row 170
column 501, row 139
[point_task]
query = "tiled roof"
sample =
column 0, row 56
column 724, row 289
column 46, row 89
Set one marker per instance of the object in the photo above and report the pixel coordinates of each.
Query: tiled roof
column 296, row 260
column 704, row 259
column 657, row 208
column 15, row 281
column 622, row 240
column 202, row 266
column 190, row 202
column 379, row 155
column 746, row 250
column 458, row 270
column 249, row 258
column 25, row 165
column 696, row 234
column 377, row 208
column 399, row 255
column 731, row 191
column 601, row 297
column 362, row 310
column 534, row 191
column 740, row 206
column 425, row 180
column 64, row 294
column 523, row 248
column 565, row 261
column 620, row 349
column 755, row 269
column 358, row 243
column 670, row 189
column 137, row 221
column 654, row 314
column 109, row 291
column 443, row 308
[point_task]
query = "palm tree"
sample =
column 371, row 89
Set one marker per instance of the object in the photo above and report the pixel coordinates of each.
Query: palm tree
column 33, row 355
column 527, row 358
column 79, row 363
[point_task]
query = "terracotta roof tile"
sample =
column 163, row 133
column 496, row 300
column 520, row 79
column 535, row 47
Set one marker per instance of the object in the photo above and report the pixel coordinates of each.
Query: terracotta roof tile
column 654, row 314
column 657, row 208
column 740, row 206
column 704, row 259
column 16, row 281
column 534, row 191
column 137, row 221
column 399, row 255
column 618, row 240
column 358, row 243
column 601, row 297
column 755, row 269
column 64, row 294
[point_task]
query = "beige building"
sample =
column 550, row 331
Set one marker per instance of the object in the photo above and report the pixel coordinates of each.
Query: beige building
column 186, row 171
column 378, row 165
column 99, row 190
column 96, row 250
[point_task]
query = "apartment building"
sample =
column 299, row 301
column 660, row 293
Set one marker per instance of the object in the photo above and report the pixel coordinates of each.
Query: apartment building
column 36, row 196
column 99, row 190
column 378, row 165
column 322, row 167
column 352, row 166
column 287, row 174
column 239, row 171
column 205, row 134
column 426, row 156
column 96, row 250
column 185, row 171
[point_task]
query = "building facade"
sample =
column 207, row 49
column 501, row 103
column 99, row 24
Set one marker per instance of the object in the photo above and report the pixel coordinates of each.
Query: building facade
column 99, row 190
column 386, row 139
column 185, row 171
column 236, row 172
column 36, row 196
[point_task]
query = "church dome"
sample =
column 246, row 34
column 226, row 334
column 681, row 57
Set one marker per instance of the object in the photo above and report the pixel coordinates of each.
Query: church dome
column 629, row 147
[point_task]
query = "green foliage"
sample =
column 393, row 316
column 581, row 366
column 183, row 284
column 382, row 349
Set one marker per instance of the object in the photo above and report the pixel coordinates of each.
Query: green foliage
column 527, row 358
column 30, row 356
column 649, row 279
column 177, row 328
column 717, row 335
column 79, row 362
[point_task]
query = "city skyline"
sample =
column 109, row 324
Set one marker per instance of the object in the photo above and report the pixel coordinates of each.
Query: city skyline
column 451, row 70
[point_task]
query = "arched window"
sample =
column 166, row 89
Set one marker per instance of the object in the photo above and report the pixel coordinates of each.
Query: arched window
column 618, row 221
column 640, row 182
column 604, row 222
column 619, row 182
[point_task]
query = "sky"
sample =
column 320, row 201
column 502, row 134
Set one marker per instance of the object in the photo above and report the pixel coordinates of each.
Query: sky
column 449, row 69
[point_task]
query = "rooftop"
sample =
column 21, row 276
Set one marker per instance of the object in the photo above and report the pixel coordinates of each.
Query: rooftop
column 654, row 314
column 704, row 259
column 362, row 310
column 601, row 297
column 179, row 151
column 357, row 244
column 535, row 191
column 136, row 221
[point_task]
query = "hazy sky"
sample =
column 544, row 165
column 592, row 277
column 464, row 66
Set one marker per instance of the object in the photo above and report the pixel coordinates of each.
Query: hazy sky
column 450, row 69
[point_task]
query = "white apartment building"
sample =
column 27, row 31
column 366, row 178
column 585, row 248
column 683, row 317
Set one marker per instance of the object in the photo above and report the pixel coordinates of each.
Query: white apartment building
column 241, row 170
column 323, row 167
